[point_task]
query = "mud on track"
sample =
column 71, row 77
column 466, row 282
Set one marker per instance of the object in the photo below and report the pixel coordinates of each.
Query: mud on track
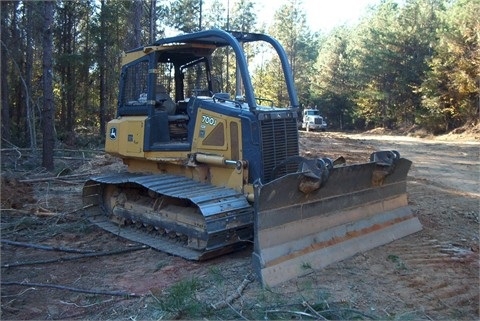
column 433, row 274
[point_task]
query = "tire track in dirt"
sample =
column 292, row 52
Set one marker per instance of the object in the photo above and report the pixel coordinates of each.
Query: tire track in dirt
column 440, row 273
column 433, row 273
column 439, row 265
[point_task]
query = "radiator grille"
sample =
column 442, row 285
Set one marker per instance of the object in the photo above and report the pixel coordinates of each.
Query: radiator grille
column 279, row 141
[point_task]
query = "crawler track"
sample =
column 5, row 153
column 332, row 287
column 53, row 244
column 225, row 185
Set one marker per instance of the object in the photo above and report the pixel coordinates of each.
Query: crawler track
column 170, row 213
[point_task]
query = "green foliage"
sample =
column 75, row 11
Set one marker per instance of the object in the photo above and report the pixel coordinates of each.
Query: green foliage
column 243, row 16
column 389, row 55
column 399, row 263
column 180, row 302
column 217, row 276
column 413, row 62
column 332, row 86
column 185, row 15
column 217, row 16
column 300, row 44
column 451, row 88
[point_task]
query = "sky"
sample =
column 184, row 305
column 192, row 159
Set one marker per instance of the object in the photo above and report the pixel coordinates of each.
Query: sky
column 322, row 15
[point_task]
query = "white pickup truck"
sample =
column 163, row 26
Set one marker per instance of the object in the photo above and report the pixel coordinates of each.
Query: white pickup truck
column 312, row 120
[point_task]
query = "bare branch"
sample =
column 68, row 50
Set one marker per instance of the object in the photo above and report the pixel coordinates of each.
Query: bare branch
column 85, row 306
column 45, row 247
column 52, row 178
column 315, row 312
column 235, row 295
column 78, row 257
column 300, row 313
column 68, row 288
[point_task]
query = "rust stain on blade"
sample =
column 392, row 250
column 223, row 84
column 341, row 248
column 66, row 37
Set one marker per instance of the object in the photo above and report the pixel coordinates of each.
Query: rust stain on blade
column 335, row 240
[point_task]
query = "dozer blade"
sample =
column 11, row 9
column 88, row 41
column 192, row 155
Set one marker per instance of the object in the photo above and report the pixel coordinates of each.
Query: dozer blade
column 359, row 207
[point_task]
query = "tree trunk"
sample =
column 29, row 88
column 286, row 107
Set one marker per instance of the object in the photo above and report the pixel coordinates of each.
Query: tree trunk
column 153, row 20
column 48, row 112
column 70, row 69
column 16, row 49
column 4, row 74
column 102, row 68
column 28, row 77
column 85, row 74
column 134, row 38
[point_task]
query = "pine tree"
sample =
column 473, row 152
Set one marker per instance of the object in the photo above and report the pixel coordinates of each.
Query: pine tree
column 48, row 110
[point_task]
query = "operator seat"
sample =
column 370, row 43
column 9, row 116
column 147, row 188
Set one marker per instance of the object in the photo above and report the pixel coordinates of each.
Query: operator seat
column 164, row 100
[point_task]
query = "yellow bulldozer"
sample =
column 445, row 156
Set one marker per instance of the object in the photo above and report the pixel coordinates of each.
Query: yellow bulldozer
column 210, row 171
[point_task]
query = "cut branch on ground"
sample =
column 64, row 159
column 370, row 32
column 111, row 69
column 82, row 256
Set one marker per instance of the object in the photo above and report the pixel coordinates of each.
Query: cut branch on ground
column 78, row 257
column 45, row 247
column 53, row 178
column 235, row 295
column 68, row 288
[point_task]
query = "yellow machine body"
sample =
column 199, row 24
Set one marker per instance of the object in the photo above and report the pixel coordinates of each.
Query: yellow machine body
column 209, row 170
column 218, row 152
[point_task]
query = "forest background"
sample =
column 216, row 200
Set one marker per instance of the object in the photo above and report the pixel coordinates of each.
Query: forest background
column 409, row 65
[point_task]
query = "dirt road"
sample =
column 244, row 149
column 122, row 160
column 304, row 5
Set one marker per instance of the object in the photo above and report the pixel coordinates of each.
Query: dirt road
column 433, row 274
column 450, row 165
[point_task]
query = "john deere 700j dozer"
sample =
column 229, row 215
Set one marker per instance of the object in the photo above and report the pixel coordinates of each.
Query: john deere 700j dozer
column 209, row 171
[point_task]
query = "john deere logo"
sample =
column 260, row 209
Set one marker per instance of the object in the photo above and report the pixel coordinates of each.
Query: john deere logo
column 113, row 133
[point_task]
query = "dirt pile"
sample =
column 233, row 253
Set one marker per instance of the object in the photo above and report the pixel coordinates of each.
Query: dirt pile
column 14, row 193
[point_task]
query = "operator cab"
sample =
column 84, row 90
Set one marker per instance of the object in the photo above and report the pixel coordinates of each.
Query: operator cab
column 166, row 83
column 158, row 81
